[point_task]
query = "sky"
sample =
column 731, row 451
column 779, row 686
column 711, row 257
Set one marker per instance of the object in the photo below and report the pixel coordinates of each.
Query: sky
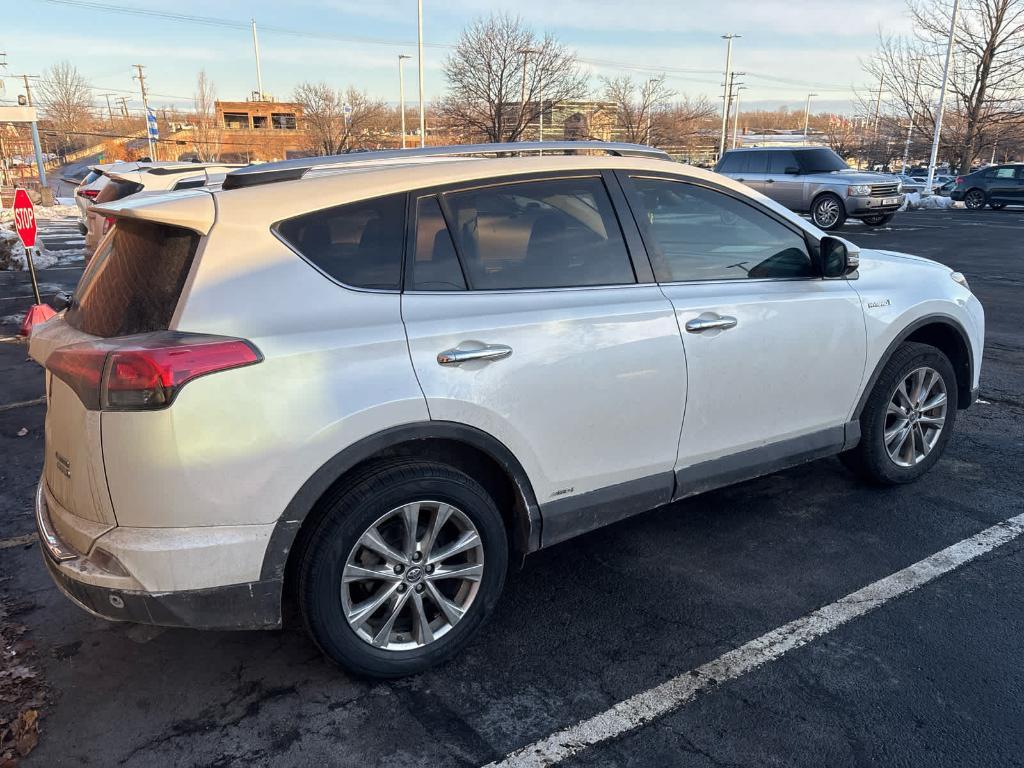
column 788, row 48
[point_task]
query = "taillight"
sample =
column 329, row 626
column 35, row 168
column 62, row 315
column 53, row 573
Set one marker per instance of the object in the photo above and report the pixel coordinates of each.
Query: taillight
column 90, row 193
column 144, row 373
column 108, row 222
column 959, row 179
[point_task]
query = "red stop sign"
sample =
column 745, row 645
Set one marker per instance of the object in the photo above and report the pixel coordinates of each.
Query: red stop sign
column 25, row 218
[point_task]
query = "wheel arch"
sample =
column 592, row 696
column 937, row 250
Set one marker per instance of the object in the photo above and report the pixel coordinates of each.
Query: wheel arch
column 467, row 448
column 943, row 332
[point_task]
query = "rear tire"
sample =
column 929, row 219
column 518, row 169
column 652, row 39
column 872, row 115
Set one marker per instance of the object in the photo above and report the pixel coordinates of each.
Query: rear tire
column 974, row 200
column 345, row 568
column 902, row 435
column 879, row 219
column 828, row 212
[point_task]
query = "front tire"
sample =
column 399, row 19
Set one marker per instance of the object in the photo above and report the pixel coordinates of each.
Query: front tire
column 405, row 565
column 828, row 212
column 878, row 219
column 908, row 418
column 974, row 200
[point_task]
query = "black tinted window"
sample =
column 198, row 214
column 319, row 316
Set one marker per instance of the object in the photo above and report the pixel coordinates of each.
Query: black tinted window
column 733, row 162
column 435, row 266
column 781, row 160
column 540, row 234
column 820, row 160
column 359, row 244
column 133, row 283
column 758, row 162
column 701, row 234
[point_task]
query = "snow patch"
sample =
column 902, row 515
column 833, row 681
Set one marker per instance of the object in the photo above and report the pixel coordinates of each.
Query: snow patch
column 916, row 202
column 44, row 213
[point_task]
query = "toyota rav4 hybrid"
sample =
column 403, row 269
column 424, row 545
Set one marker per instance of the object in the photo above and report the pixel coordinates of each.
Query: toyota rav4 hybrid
column 370, row 385
column 816, row 181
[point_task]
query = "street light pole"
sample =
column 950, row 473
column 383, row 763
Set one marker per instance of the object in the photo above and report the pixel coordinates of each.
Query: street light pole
column 807, row 114
column 525, row 53
column 401, row 93
column 725, row 96
column 256, row 49
column 419, row 61
column 942, row 100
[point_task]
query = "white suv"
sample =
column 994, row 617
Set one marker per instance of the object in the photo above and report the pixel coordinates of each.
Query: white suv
column 371, row 383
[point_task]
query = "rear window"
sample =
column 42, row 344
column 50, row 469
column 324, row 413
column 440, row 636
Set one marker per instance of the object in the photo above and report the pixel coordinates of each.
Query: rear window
column 359, row 244
column 116, row 190
column 133, row 283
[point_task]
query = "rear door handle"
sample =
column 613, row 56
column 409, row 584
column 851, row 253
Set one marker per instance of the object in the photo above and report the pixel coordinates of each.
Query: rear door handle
column 709, row 321
column 455, row 356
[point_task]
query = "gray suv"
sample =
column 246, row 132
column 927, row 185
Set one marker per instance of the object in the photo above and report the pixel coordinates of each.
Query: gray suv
column 817, row 181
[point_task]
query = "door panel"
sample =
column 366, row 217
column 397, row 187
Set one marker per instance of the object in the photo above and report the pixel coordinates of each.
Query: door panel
column 785, row 188
column 591, row 395
column 773, row 352
column 791, row 365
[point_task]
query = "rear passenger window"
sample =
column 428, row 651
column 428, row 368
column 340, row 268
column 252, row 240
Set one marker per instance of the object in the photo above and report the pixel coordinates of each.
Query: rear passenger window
column 435, row 266
column 758, row 162
column 359, row 244
column 555, row 233
column 781, row 160
column 1005, row 173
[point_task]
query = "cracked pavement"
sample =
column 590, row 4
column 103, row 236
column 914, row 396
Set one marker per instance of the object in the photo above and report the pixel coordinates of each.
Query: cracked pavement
column 930, row 678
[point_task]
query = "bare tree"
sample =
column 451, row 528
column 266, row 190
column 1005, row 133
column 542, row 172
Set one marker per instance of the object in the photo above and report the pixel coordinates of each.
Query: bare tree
column 681, row 124
column 338, row 122
column 206, row 133
column 986, row 81
column 66, row 99
column 638, row 106
column 501, row 74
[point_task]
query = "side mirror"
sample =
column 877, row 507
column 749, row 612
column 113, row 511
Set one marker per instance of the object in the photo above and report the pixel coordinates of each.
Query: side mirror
column 62, row 300
column 838, row 258
column 792, row 170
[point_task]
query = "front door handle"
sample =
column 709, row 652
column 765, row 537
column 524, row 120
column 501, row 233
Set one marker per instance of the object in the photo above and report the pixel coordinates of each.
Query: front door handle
column 455, row 356
column 709, row 321
column 769, row 181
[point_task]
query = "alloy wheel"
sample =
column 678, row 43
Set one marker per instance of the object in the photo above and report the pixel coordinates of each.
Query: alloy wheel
column 975, row 199
column 412, row 575
column 826, row 212
column 915, row 417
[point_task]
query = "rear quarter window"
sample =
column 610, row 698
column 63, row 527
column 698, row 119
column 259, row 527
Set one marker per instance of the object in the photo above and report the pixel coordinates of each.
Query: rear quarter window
column 133, row 283
column 358, row 244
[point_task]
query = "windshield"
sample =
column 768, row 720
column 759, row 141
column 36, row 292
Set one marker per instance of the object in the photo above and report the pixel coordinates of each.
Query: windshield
column 820, row 161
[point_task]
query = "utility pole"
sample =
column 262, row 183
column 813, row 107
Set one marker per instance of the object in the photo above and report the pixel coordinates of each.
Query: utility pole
column 807, row 114
column 28, row 90
column 123, row 102
column 942, row 100
column 145, row 108
column 910, row 121
column 401, row 93
column 110, row 110
column 736, row 114
column 419, row 54
column 725, row 96
column 259, row 73
column 649, row 103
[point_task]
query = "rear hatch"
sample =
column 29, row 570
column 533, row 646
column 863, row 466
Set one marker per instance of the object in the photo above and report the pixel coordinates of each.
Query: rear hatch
column 131, row 286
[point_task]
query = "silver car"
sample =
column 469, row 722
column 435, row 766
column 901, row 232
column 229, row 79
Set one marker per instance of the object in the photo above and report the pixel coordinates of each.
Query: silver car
column 815, row 180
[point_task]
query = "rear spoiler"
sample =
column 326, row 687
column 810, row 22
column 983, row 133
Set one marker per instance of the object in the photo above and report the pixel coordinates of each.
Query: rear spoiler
column 190, row 208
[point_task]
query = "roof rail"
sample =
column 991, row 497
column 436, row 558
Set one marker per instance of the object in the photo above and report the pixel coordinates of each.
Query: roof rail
column 289, row 170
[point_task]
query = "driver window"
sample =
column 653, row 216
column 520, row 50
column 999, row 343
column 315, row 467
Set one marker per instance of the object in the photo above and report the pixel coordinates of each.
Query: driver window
column 701, row 234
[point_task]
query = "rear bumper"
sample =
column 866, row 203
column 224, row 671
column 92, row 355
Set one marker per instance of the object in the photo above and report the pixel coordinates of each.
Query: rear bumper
column 957, row 194
column 102, row 586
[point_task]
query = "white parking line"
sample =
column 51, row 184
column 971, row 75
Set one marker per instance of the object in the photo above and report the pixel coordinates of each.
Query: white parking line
column 642, row 708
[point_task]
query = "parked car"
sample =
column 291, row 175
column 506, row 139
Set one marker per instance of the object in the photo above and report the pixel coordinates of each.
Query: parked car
column 817, row 181
column 910, row 183
column 124, row 182
column 375, row 382
column 996, row 186
column 89, row 188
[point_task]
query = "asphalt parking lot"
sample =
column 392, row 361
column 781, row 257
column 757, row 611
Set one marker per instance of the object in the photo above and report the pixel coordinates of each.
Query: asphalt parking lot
column 930, row 677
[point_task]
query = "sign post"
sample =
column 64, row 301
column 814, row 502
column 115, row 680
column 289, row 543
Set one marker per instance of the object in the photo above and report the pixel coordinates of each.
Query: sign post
column 25, row 225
